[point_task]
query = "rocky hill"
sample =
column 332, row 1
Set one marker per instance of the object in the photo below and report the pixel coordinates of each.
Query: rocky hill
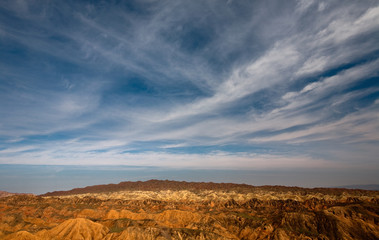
column 180, row 210
column 158, row 185
column 7, row 194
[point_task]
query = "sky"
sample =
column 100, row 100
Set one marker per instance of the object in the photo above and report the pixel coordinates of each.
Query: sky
column 286, row 87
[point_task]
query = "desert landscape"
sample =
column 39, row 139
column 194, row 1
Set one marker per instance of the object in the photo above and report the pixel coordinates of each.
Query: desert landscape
column 263, row 115
column 158, row 209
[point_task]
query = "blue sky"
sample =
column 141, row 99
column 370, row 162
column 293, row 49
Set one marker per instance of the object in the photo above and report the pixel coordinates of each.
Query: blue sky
column 242, row 85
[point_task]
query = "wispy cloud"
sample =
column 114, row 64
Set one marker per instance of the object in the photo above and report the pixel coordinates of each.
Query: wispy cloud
column 229, row 84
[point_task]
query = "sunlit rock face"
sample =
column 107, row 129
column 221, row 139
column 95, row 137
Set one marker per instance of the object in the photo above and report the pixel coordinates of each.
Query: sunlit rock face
column 179, row 210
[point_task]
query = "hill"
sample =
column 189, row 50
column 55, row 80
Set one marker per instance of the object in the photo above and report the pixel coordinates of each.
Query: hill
column 159, row 185
column 7, row 194
column 188, row 210
column 372, row 187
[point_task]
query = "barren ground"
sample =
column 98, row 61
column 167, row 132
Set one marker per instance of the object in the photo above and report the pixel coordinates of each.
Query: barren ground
column 180, row 210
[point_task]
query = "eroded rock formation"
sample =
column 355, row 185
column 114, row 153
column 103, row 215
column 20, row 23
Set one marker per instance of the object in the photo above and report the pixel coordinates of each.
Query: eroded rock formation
column 274, row 213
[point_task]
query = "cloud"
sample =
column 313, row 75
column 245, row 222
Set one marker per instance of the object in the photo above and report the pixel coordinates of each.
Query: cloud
column 353, row 129
column 213, row 160
column 345, row 28
column 155, row 83
column 338, row 81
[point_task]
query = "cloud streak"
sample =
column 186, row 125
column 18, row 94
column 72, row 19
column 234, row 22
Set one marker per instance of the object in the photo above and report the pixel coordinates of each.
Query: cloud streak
column 247, row 85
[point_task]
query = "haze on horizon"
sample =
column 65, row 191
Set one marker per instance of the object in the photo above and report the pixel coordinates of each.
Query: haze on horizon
column 287, row 88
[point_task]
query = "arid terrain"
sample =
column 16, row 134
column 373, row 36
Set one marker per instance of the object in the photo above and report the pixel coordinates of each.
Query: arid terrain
column 185, row 210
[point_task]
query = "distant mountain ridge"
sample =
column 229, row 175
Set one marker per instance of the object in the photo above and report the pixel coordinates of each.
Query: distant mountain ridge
column 158, row 185
column 372, row 187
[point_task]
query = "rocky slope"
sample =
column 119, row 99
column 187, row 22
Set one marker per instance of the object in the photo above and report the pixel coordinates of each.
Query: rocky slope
column 238, row 212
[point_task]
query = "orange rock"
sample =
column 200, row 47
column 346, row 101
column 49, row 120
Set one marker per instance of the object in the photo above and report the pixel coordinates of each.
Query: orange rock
column 22, row 235
column 78, row 229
